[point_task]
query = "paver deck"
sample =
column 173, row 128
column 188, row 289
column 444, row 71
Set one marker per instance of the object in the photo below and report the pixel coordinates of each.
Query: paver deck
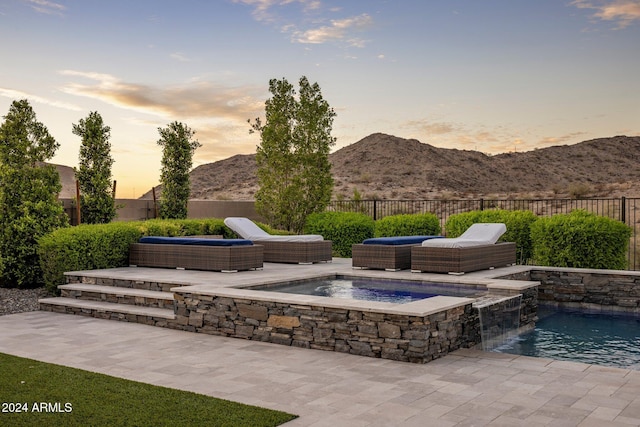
column 333, row 389
column 464, row 388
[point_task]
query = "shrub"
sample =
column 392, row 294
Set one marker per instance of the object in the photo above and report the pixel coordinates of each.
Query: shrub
column 408, row 225
column 580, row 240
column 97, row 246
column 184, row 227
column 343, row 228
column 579, row 190
column 518, row 227
column 84, row 247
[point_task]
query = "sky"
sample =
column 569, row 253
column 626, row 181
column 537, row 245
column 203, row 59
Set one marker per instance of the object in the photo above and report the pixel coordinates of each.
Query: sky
column 493, row 76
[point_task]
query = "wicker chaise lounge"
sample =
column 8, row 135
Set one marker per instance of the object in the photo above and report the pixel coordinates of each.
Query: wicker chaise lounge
column 297, row 249
column 476, row 249
column 386, row 253
column 227, row 255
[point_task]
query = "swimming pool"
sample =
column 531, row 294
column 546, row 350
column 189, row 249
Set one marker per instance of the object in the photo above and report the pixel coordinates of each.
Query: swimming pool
column 578, row 336
column 371, row 289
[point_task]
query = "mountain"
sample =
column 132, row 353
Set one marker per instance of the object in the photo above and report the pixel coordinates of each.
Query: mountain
column 389, row 167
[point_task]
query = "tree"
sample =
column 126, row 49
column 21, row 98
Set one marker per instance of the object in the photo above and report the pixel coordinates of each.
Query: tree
column 29, row 189
column 97, row 205
column 177, row 159
column 294, row 172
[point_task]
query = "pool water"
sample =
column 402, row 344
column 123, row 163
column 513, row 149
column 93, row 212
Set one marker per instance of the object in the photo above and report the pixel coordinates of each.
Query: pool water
column 369, row 289
column 598, row 339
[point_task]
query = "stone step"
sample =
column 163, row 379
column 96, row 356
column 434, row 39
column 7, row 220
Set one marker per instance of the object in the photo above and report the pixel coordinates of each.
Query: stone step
column 106, row 310
column 149, row 285
column 112, row 294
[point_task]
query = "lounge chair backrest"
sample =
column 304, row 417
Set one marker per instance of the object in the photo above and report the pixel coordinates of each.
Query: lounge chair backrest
column 477, row 235
column 487, row 232
column 245, row 228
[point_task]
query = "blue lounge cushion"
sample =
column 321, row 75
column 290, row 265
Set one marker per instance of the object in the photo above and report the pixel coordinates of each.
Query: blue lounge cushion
column 194, row 241
column 399, row 240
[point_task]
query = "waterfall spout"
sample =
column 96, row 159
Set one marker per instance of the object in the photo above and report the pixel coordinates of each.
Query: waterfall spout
column 499, row 319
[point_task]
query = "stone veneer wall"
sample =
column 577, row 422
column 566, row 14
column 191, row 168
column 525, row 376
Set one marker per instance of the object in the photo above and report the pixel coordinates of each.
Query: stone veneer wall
column 587, row 289
column 529, row 307
column 122, row 283
column 388, row 336
column 528, row 303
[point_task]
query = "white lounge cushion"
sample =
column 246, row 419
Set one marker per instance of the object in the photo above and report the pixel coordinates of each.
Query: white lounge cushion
column 477, row 235
column 247, row 229
column 292, row 238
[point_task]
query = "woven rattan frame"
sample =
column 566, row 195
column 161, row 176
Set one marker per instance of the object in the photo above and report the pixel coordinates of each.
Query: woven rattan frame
column 462, row 260
column 383, row 257
column 296, row 252
column 196, row 257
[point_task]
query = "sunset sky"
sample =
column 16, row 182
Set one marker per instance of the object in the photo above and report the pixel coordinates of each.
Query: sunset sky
column 492, row 75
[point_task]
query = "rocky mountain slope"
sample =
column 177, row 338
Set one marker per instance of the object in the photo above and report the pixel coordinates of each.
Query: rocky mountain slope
column 389, row 167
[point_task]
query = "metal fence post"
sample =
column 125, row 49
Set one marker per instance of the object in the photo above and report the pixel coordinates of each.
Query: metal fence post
column 623, row 209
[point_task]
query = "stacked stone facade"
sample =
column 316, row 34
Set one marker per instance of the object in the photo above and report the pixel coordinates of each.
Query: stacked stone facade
column 587, row 289
column 361, row 332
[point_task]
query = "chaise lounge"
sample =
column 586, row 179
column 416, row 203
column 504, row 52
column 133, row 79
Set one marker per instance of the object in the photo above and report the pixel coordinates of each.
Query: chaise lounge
column 296, row 249
column 226, row 255
column 386, row 253
column 476, row 249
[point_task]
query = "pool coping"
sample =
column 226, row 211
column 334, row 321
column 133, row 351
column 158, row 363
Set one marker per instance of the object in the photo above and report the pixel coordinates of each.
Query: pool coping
column 233, row 285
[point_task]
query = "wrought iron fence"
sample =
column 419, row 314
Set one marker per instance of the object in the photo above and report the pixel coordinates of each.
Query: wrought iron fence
column 623, row 209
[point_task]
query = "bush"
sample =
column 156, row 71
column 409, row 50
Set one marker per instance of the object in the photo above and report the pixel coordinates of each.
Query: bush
column 408, row 225
column 580, row 240
column 518, row 227
column 184, row 227
column 343, row 228
column 89, row 247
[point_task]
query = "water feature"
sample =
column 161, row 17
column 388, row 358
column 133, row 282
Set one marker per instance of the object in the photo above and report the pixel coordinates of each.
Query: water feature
column 370, row 289
column 499, row 319
column 578, row 336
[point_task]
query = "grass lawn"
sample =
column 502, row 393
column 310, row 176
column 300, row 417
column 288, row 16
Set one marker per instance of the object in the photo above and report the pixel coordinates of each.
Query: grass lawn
column 49, row 394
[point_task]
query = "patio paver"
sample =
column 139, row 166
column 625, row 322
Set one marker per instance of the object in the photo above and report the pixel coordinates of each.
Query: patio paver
column 467, row 387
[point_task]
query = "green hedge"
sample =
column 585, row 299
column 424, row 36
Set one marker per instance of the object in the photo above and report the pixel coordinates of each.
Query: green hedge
column 343, row 228
column 580, row 240
column 89, row 247
column 426, row 224
column 518, row 227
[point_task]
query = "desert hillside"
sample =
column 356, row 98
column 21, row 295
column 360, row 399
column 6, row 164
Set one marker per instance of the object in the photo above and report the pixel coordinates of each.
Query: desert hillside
column 389, row 167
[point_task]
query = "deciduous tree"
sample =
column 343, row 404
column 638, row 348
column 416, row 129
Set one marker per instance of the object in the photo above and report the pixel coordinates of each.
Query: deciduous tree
column 177, row 158
column 97, row 205
column 29, row 189
column 294, row 173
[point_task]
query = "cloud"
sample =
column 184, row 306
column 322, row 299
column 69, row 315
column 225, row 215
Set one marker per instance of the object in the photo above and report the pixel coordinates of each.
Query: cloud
column 339, row 29
column 179, row 56
column 438, row 128
column 430, row 129
column 624, row 12
column 195, row 100
column 16, row 94
column 263, row 9
column 271, row 11
column 468, row 137
column 558, row 140
column 222, row 142
column 46, row 7
column 481, row 140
